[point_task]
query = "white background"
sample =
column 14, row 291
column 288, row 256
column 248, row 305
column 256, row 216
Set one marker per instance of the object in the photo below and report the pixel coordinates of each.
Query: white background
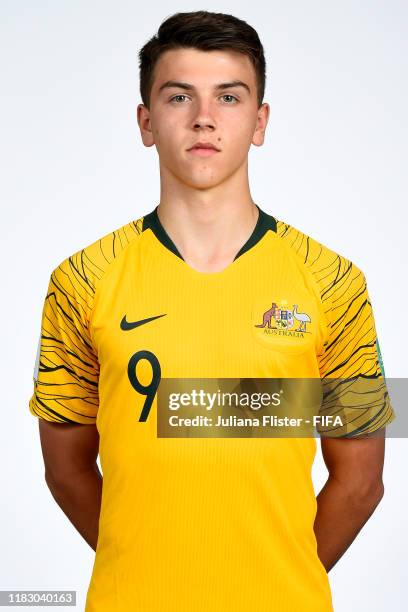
column 74, row 168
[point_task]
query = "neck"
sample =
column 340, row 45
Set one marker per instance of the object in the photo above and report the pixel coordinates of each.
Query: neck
column 209, row 225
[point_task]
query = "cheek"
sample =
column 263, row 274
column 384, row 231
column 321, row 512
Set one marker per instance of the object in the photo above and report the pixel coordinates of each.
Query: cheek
column 165, row 135
column 245, row 129
column 156, row 133
column 238, row 139
column 239, row 127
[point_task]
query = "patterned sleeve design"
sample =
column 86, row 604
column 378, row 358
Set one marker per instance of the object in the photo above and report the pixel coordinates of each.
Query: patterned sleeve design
column 66, row 370
column 350, row 363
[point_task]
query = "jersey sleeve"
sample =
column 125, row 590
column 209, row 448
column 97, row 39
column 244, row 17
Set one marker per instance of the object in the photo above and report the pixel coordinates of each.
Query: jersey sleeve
column 350, row 364
column 66, row 369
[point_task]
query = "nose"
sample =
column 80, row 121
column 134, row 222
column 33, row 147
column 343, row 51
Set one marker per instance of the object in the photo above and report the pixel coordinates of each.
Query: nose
column 204, row 117
column 202, row 122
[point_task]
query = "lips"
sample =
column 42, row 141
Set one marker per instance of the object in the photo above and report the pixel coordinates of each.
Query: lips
column 203, row 145
column 203, row 149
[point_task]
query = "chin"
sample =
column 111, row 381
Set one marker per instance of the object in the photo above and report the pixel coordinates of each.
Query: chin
column 202, row 182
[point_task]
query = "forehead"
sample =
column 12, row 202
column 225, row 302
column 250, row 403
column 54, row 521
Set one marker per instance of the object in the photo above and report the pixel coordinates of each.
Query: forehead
column 203, row 68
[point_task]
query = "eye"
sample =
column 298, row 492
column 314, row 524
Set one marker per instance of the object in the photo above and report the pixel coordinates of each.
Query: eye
column 177, row 96
column 230, row 96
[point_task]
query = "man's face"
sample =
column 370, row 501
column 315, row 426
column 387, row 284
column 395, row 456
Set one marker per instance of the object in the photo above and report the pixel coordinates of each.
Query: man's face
column 194, row 99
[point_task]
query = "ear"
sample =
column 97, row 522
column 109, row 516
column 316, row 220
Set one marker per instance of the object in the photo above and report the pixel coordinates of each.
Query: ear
column 261, row 123
column 143, row 119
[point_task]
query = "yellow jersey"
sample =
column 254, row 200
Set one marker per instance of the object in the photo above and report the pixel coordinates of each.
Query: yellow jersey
column 201, row 524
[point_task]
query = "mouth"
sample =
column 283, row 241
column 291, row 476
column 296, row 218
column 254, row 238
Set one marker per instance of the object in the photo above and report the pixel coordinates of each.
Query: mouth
column 203, row 149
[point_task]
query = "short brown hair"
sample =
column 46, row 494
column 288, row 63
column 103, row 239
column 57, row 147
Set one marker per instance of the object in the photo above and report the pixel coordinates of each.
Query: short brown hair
column 205, row 31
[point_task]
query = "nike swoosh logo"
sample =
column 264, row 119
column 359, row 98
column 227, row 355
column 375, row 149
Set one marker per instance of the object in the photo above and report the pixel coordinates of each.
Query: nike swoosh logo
column 126, row 325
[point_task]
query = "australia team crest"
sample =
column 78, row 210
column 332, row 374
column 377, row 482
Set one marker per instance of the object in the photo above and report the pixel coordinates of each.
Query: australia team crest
column 287, row 324
column 283, row 319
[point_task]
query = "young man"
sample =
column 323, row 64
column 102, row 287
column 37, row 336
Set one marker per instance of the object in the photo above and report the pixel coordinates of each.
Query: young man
column 197, row 288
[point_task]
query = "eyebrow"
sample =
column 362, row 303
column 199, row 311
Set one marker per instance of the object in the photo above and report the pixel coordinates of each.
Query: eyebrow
column 189, row 87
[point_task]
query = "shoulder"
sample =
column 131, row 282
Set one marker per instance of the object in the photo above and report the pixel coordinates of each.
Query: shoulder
column 332, row 271
column 83, row 270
